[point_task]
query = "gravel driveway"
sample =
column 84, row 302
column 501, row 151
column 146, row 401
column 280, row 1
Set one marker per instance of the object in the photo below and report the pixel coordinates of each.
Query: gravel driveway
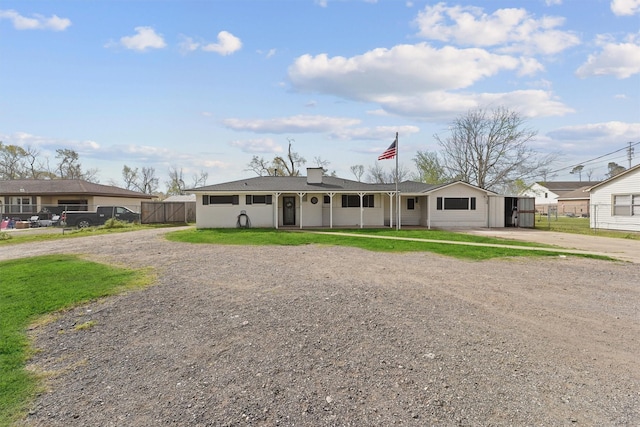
column 334, row 336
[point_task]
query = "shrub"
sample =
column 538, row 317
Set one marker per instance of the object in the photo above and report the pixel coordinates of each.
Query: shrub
column 116, row 223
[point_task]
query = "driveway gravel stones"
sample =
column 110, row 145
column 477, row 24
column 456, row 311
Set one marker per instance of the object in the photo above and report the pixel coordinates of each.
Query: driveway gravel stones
column 334, row 336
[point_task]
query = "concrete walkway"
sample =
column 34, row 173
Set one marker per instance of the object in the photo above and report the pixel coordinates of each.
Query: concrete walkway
column 620, row 249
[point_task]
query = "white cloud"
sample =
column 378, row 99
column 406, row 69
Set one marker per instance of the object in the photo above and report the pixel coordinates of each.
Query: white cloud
column 621, row 60
column 187, row 44
column 508, row 30
column 292, row 124
column 625, row 7
column 38, row 22
column 380, row 133
column 226, row 45
column 403, row 69
column 441, row 105
column 263, row 145
column 403, row 80
column 145, row 38
column 607, row 132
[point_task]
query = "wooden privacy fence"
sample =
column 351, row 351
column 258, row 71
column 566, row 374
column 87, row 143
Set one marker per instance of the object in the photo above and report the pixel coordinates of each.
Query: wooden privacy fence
column 167, row 212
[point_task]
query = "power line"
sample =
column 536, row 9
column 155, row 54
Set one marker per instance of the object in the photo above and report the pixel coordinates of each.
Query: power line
column 629, row 151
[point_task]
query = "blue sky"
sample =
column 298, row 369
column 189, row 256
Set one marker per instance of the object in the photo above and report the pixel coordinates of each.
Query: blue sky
column 206, row 85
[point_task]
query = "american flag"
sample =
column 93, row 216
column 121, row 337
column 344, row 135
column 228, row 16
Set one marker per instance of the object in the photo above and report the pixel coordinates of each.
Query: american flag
column 390, row 152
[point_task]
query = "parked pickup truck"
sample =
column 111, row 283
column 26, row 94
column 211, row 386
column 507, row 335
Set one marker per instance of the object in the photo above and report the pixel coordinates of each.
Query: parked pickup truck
column 83, row 219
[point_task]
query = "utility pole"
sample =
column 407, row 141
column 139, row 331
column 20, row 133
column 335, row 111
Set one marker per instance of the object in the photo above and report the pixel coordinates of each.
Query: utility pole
column 630, row 153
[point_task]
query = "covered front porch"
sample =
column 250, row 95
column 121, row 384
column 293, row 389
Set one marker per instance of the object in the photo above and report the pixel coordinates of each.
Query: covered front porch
column 349, row 210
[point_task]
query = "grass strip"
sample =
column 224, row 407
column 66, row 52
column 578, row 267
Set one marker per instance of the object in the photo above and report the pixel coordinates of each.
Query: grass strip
column 257, row 236
column 32, row 287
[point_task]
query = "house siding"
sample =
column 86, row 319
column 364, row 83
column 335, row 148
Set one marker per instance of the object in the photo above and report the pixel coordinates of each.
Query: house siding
column 321, row 214
column 602, row 198
column 543, row 197
column 459, row 218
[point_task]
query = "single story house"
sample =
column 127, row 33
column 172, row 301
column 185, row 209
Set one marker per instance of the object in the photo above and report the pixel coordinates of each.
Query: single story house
column 317, row 200
column 23, row 198
column 615, row 202
column 574, row 203
column 546, row 193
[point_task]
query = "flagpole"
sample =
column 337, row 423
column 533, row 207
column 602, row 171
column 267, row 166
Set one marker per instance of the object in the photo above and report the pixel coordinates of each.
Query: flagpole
column 397, row 194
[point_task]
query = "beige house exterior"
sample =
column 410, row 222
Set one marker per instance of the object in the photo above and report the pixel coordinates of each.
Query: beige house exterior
column 316, row 200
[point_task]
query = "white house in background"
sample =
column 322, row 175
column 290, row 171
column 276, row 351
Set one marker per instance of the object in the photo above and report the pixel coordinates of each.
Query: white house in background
column 546, row 193
column 317, row 200
column 615, row 203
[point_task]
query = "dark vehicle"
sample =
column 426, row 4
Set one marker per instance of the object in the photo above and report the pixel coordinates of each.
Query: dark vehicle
column 83, row 219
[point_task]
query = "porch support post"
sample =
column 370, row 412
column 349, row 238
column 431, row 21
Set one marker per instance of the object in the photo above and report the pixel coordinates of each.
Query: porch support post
column 399, row 203
column 429, row 212
column 301, row 195
column 390, row 209
column 361, row 209
column 331, row 209
column 275, row 213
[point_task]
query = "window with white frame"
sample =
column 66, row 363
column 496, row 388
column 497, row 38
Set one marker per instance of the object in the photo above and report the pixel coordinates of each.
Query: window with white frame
column 21, row 205
column 626, row 204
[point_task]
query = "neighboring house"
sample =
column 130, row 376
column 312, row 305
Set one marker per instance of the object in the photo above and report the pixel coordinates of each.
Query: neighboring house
column 325, row 201
column 546, row 193
column 23, row 198
column 574, row 203
column 615, row 203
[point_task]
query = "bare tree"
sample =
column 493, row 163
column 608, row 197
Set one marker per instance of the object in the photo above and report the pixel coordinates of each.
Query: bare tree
column 279, row 166
column 260, row 166
column 35, row 165
column 148, row 182
column 200, row 179
column 130, row 177
column 175, row 185
column 377, row 175
column 290, row 166
column 68, row 165
column 590, row 173
column 489, row 148
column 357, row 171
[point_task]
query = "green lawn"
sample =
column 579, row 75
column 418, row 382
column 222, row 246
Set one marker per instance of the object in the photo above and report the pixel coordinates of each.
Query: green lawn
column 289, row 238
column 55, row 233
column 566, row 224
column 32, row 287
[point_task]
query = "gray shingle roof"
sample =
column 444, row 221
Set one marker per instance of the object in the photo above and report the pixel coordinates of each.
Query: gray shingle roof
column 580, row 193
column 563, row 186
column 300, row 184
column 41, row 187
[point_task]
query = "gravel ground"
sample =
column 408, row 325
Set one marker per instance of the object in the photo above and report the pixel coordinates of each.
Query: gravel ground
column 331, row 336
